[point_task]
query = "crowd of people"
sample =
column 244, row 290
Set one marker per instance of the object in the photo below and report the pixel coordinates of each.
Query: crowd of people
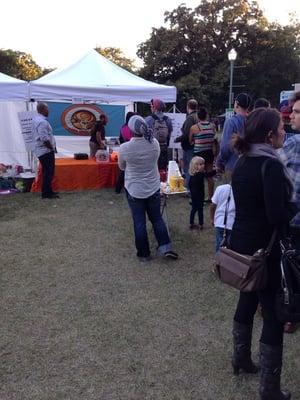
column 260, row 197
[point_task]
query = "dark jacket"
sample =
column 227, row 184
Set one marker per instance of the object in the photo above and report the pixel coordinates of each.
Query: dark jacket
column 191, row 120
column 262, row 204
column 196, row 184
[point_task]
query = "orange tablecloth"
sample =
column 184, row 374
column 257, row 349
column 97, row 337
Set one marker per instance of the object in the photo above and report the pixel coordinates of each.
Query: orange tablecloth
column 73, row 174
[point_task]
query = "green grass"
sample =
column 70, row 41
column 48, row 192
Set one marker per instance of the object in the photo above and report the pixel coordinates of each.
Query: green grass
column 82, row 319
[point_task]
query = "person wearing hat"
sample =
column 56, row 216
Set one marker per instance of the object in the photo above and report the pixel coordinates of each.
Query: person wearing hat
column 234, row 125
column 162, row 127
column 138, row 158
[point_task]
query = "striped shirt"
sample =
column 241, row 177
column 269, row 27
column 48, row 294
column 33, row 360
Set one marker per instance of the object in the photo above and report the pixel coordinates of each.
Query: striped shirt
column 204, row 139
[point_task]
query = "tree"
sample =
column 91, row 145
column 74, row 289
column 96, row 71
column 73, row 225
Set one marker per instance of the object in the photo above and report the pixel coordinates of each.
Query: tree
column 191, row 52
column 116, row 56
column 19, row 65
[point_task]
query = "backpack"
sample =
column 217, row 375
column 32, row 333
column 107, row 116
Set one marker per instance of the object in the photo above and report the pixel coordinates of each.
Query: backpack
column 161, row 130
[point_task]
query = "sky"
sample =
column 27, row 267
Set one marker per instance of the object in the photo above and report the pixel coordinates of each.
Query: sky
column 58, row 32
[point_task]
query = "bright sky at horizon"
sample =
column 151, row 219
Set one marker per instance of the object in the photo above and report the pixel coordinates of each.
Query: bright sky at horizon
column 60, row 31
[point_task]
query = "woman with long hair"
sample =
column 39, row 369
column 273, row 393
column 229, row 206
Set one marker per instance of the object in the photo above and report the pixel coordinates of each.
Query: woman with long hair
column 262, row 192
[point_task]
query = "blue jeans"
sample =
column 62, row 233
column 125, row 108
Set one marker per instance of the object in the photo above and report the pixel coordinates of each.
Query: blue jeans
column 219, row 236
column 151, row 207
column 187, row 156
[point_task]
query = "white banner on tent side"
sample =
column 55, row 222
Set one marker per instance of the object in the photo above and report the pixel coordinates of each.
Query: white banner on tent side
column 25, row 118
column 177, row 121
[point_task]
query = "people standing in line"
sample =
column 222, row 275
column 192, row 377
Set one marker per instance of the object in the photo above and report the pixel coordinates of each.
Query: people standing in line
column 197, row 175
column 236, row 124
column 262, row 192
column 222, row 213
column 125, row 136
column 187, row 148
column 45, row 147
column 290, row 155
column 202, row 137
column 97, row 139
column 162, row 128
column 138, row 158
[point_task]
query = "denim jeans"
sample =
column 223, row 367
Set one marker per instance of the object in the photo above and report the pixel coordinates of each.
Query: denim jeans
column 48, row 166
column 187, row 156
column 219, row 236
column 139, row 209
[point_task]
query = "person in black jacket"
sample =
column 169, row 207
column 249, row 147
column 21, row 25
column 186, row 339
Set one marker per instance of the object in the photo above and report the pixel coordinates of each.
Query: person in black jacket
column 187, row 148
column 196, row 184
column 262, row 192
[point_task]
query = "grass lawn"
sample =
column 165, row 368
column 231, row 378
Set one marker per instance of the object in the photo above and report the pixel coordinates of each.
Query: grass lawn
column 83, row 319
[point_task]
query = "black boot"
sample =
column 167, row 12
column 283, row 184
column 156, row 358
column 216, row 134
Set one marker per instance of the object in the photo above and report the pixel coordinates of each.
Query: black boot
column 270, row 362
column 242, row 335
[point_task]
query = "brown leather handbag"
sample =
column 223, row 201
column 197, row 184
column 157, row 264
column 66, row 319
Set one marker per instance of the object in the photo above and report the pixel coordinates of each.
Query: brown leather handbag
column 241, row 271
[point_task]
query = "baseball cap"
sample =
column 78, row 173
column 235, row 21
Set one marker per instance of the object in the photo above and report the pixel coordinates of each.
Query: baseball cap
column 243, row 100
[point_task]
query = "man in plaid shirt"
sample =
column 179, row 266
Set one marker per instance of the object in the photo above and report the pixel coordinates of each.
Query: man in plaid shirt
column 290, row 155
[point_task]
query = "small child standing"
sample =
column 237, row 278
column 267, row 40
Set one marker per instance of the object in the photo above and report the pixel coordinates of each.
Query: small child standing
column 222, row 203
column 196, row 186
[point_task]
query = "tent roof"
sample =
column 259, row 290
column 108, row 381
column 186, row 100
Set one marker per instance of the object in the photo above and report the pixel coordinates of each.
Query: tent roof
column 12, row 88
column 93, row 77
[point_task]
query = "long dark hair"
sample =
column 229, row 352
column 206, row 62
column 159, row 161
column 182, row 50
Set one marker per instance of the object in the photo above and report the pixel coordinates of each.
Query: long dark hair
column 259, row 123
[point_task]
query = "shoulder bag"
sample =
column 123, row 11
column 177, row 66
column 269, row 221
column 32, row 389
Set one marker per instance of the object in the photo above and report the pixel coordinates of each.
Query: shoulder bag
column 244, row 272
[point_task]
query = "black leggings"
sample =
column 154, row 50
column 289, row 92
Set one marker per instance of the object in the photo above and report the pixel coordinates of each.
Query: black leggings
column 272, row 332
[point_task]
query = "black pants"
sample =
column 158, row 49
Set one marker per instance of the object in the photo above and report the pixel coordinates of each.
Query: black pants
column 163, row 158
column 197, row 207
column 48, row 166
column 272, row 332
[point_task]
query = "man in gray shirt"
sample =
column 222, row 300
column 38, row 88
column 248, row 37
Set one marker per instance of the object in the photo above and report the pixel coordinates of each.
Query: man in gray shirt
column 138, row 158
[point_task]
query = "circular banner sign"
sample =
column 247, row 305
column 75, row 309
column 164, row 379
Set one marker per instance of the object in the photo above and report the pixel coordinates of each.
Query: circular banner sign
column 79, row 119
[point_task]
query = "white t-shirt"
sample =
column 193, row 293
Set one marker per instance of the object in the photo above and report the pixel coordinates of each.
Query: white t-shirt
column 220, row 198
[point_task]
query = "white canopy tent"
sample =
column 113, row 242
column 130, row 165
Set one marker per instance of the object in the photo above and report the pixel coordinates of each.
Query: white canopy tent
column 12, row 89
column 13, row 96
column 94, row 78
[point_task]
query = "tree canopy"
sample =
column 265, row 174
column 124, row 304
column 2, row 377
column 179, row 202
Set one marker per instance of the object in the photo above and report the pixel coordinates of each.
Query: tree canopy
column 116, row 55
column 19, row 65
column 191, row 52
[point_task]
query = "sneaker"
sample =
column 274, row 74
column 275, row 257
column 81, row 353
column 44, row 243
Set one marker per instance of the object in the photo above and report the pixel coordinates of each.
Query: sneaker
column 171, row 254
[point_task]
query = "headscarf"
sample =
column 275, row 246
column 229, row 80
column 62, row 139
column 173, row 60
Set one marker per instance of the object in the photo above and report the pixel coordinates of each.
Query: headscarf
column 138, row 125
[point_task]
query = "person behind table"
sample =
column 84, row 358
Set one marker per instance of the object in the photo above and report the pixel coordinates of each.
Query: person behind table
column 97, row 139
column 45, row 148
column 125, row 136
column 138, row 158
column 222, row 203
column 187, row 148
column 262, row 192
column 202, row 137
column 197, row 174
column 162, row 129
